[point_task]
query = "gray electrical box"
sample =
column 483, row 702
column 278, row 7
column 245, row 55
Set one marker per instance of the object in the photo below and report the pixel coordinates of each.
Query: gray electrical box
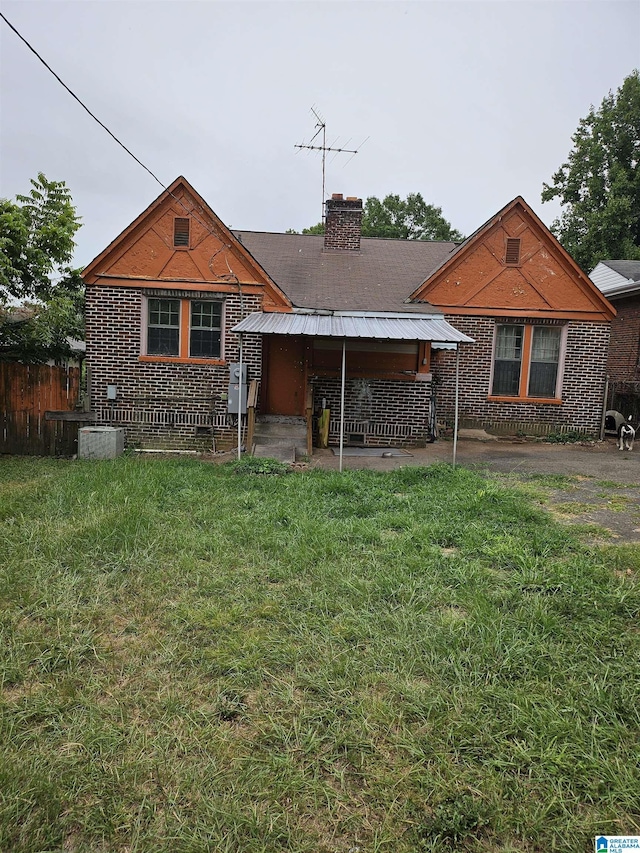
column 237, row 389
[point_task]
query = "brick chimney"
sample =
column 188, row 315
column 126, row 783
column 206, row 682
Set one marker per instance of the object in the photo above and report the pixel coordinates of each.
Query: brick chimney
column 343, row 221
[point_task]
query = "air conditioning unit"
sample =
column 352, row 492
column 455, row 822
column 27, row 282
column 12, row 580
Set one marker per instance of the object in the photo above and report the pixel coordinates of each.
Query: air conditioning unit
column 100, row 442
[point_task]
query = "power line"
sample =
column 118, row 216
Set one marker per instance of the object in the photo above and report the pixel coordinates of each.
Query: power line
column 84, row 106
column 190, row 211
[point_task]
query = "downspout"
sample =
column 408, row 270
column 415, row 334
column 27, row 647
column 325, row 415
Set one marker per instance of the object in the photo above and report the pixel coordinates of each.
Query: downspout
column 455, row 415
column 342, row 384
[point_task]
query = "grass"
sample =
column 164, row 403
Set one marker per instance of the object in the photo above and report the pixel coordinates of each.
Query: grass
column 201, row 657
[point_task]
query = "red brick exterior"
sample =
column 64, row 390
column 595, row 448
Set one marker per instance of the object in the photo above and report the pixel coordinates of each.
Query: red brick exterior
column 623, row 364
column 583, row 383
column 161, row 405
column 381, row 411
column 343, row 224
column 180, row 403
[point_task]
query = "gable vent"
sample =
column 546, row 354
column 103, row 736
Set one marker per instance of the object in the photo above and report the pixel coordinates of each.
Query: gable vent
column 512, row 254
column 181, row 231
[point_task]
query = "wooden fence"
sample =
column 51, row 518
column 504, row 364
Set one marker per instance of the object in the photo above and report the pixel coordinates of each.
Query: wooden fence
column 27, row 392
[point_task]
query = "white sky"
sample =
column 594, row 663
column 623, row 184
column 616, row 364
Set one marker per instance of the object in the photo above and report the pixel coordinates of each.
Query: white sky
column 468, row 103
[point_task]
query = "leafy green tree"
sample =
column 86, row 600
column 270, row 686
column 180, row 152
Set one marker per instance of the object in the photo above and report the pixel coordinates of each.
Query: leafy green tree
column 36, row 239
column 34, row 332
column 401, row 219
column 318, row 228
column 599, row 185
column 36, row 245
column 406, row 219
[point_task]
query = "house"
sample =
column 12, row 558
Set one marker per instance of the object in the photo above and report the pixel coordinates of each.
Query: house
column 379, row 332
column 619, row 281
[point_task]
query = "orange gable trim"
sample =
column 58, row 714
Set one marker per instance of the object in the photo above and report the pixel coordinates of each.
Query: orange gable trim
column 544, row 281
column 178, row 284
column 214, row 257
column 588, row 316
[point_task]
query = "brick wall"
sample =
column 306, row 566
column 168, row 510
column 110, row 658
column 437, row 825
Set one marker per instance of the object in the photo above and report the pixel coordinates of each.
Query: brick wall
column 343, row 222
column 161, row 405
column 624, row 353
column 382, row 411
column 582, row 386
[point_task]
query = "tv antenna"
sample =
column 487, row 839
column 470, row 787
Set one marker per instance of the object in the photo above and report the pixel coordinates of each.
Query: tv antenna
column 321, row 128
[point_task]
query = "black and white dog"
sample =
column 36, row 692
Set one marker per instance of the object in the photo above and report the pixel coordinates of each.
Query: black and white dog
column 626, row 436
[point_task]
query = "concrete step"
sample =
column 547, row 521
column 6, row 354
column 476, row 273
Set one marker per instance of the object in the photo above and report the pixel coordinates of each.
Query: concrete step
column 260, row 437
column 282, row 451
column 280, row 437
column 281, row 419
column 278, row 429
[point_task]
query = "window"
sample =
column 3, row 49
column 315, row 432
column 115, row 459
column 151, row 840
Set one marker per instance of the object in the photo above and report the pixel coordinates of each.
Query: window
column 181, row 231
column 526, row 361
column 545, row 355
column 163, row 336
column 508, row 360
column 204, row 340
column 184, row 328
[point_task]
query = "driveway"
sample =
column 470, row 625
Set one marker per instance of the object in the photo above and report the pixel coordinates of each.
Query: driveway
column 600, row 486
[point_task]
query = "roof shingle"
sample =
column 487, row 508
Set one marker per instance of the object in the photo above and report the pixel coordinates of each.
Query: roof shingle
column 380, row 277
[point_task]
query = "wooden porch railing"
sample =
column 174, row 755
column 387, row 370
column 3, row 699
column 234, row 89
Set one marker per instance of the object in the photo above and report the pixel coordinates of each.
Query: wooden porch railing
column 252, row 402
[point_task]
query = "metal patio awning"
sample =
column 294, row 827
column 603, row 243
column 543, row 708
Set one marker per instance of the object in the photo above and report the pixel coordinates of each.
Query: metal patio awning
column 359, row 324
column 391, row 327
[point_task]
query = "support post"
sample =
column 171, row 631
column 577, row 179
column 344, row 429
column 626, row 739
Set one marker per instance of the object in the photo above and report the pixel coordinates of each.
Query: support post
column 240, row 403
column 455, row 416
column 344, row 364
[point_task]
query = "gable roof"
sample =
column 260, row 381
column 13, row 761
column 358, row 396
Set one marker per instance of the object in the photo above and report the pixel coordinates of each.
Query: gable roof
column 145, row 252
column 379, row 277
column 545, row 281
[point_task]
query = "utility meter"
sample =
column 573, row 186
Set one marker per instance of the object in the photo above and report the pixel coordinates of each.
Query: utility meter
column 237, row 399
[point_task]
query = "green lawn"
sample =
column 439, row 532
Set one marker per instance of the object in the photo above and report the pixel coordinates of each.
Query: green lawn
column 195, row 659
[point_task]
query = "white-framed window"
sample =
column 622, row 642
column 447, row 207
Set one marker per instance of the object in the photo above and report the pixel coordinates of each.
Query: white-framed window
column 163, row 328
column 527, row 361
column 183, row 328
column 205, row 330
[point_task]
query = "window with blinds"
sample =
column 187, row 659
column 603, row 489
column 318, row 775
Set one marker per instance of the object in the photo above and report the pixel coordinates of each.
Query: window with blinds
column 526, row 361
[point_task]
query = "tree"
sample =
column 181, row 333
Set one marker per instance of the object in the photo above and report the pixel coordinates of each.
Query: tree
column 406, row 219
column 36, row 245
column 39, row 331
column 318, row 228
column 401, row 219
column 599, row 185
column 36, row 239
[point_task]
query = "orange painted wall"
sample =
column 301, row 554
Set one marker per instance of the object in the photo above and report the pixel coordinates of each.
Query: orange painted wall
column 149, row 250
column 545, row 281
column 145, row 252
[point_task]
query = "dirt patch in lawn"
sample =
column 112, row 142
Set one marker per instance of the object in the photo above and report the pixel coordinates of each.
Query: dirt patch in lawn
column 613, row 507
